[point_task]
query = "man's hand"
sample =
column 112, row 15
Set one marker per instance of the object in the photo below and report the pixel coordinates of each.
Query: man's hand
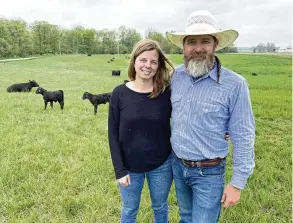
column 230, row 196
column 124, row 181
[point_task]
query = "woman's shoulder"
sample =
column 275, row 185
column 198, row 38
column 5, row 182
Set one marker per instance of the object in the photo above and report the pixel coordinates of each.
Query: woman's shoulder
column 119, row 88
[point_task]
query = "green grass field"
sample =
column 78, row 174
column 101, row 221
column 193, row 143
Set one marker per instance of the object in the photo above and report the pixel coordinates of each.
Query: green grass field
column 55, row 165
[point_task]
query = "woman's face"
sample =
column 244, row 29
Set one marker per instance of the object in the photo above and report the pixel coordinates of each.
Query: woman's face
column 146, row 65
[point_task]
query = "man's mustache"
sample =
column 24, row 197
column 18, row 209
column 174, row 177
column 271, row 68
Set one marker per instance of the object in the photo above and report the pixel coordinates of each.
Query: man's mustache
column 196, row 56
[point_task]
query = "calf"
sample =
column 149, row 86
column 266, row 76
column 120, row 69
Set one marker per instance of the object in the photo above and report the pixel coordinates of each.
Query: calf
column 51, row 96
column 97, row 99
column 22, row 87
column 115, row 72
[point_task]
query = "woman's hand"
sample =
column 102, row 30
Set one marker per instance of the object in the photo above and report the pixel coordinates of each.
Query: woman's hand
column 124, row 181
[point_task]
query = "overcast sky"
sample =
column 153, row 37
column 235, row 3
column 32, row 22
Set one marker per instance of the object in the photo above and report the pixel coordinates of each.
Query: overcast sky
column 255, row 20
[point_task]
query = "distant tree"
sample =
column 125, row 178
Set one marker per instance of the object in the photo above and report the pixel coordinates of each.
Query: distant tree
column 229, row 49
column 16, row 34
column 260, row 48
column 45, row 37
column 253, row 49
column 157, row 36
column 89, row 40
column 263, row 48
column 106, row 41
column 5, row 48
column 271, row 47
column 126, row 39
column 165, row 44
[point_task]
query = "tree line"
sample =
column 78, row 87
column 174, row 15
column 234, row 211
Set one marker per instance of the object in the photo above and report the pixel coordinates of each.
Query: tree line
column 263, row 48
column 20, row 39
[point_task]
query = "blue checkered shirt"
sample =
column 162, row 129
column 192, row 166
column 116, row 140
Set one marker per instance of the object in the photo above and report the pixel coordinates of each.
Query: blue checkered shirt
column 203, row 110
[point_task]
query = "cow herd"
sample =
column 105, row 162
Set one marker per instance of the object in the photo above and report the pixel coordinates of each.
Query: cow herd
column 58, row 96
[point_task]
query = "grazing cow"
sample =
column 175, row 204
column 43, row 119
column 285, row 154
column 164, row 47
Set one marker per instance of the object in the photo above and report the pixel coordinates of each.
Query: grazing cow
column 115, row 72
column 97, row 99
column 51, row 96
column 125, row 81
column 21, row 87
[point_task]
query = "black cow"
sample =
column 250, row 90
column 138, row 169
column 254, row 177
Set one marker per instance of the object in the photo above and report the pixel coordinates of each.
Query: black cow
column 22, row 87
column 125, row 81
column 97, row 99
column 51, row 96
column 115, row 72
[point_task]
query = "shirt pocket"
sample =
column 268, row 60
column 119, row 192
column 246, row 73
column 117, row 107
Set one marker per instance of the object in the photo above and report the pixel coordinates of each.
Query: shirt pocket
column 208, row 107
column 208, row 116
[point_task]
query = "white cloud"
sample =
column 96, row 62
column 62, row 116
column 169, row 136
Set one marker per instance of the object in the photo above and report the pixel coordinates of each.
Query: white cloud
column 256, row 21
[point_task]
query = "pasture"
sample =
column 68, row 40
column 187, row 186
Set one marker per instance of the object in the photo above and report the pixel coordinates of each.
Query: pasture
column 55, row 165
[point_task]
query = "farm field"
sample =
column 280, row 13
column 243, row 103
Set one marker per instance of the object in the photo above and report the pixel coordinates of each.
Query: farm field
column 55, row 165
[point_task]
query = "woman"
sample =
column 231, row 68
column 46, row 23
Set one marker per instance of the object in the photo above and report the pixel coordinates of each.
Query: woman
column 139, row 131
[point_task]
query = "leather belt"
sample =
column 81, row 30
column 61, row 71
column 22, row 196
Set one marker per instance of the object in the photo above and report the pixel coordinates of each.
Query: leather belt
column 202, row 163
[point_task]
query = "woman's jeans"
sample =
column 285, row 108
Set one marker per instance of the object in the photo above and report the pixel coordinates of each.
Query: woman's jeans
column 159, row 182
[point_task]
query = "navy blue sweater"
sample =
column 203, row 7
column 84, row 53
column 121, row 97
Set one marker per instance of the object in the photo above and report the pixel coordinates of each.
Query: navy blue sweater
column 138, row 130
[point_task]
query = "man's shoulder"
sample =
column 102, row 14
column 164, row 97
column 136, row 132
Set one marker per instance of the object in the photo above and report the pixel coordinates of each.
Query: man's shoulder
column 178, row 75
column 231, row 76
column 179, row 71
column 179, row 68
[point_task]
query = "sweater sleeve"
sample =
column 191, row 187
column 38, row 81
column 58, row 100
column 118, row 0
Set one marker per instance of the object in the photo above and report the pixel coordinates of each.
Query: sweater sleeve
column 113, row 135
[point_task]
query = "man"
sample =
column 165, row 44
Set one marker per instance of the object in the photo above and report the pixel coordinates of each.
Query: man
column 208, row 100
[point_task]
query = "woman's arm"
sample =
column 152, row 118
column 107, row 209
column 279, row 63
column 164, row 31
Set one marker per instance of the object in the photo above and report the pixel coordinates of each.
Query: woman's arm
column 113, row 135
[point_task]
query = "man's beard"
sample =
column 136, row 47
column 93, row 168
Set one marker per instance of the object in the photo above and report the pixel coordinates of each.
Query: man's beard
column 198, row 68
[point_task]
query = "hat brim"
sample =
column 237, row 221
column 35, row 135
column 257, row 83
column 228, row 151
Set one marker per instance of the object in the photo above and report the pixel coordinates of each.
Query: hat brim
column 225, row 38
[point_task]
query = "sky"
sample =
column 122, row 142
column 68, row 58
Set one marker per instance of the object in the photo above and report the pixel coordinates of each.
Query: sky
column 257, row 21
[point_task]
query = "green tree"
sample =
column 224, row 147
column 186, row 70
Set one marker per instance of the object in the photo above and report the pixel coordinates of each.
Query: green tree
column 5, row 48
column 45, row 37
column 89, row 40
column 127, row 38
column 229, row 49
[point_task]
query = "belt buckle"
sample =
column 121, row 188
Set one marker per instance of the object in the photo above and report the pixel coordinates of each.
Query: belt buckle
column 198, row 164
column 184, row 163
column 192, row 163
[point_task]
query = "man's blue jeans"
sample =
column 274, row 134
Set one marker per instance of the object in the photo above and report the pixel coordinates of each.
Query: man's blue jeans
column 199, row 191
column 159, row 182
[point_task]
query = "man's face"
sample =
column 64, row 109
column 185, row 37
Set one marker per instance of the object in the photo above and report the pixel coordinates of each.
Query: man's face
column 199, row 54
